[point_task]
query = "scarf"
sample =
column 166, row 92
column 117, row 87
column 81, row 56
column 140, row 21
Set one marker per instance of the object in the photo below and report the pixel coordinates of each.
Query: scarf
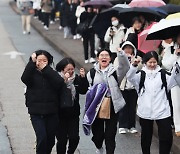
column 70, row 84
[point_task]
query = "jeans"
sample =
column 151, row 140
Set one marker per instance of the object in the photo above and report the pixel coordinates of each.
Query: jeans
column 45, row 127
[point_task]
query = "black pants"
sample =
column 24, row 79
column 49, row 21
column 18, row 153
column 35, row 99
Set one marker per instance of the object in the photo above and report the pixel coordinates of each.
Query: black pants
column 127, row 115
column 45, row 127
column 46, row 17
column 164, row 133
column 88, row 39
column 68, row 131
column 105, row 130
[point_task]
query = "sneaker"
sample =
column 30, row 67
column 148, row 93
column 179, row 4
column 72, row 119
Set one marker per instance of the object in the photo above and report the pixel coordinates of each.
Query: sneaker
column 123, row 130
column 99, row 151
column 78, row 36
column 133, row 130
column 74, row 37
column 92, row 60
column 60, row 27
column 46, row 28
column 86, row 61
column 29, row 33
column 24, row 32
column 51, row 22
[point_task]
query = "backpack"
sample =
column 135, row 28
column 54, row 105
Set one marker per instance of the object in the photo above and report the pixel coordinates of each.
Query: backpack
column 163, row 79
column 93, row 72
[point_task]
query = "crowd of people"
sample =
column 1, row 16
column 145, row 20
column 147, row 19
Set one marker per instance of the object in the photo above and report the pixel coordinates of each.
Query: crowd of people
column 138, row 83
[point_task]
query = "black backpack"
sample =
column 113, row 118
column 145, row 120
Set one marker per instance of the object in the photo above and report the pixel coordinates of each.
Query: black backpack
column 163, row 78
column 93, row 72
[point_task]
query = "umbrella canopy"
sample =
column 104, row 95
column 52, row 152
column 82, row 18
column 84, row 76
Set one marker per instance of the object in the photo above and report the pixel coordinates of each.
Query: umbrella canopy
column 170, row 8
column 127, row 14
column 163, row 13
column 147, row 45
column 146, row 3
column 166, row 28
column 98, row 3
column 102, row 21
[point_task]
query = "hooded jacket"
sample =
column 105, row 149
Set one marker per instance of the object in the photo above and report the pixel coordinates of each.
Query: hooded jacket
column 152, row 100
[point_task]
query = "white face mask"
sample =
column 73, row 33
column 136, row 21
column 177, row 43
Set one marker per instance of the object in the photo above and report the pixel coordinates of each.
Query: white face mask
column 115, row 23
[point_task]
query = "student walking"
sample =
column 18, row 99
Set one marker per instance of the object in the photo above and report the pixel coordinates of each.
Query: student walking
column 43, row 84
column 104, row 72
column 68, row 129
column 24, row 7
column 152, row 84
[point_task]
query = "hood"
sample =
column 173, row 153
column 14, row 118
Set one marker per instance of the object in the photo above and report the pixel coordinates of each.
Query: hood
column 129, row 43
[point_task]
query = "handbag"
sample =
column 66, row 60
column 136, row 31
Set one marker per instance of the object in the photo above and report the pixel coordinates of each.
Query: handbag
column 66, row 97
column 104, row 111
column 82, row 27
column 31, row 11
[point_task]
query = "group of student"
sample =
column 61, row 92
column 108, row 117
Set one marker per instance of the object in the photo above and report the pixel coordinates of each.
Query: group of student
column 50, row 119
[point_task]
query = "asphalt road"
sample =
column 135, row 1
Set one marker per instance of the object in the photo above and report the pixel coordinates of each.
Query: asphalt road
column 16, row 133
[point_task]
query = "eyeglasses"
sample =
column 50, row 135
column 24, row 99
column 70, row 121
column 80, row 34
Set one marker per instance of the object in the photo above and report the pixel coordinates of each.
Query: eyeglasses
column 104, row 55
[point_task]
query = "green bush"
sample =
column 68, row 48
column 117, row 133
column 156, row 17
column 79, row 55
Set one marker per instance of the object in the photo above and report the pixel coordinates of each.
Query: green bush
column 175, row 2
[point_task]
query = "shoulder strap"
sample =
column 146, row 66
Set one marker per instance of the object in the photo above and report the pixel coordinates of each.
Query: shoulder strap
column 172, row 50
column 142, row 79
column 164, row 82
column 92, row 74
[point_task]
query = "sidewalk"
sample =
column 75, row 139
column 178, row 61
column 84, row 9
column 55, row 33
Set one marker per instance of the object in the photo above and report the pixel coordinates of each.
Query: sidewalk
column 55, row 38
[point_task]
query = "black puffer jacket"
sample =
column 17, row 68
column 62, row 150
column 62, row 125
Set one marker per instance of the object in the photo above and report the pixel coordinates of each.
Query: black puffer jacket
column 42, row 89
column 81, row 85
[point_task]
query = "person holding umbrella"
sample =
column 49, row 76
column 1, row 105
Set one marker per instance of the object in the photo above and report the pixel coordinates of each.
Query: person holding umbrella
column 171, row 55
column 115, row 35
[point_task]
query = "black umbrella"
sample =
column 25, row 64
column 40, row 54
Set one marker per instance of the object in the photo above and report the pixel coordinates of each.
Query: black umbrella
column 126, row 15
column 170, row 8
column 102, row 21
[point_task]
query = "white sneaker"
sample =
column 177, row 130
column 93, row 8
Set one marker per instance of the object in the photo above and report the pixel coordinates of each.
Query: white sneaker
column 51, row 22
column 46, row 28
column 86, row 61
column 74, row 37
column 60, row 27
column 99, row 151
column 123, row 130
column 133, row 130
column 92, row 60
column 24, row 32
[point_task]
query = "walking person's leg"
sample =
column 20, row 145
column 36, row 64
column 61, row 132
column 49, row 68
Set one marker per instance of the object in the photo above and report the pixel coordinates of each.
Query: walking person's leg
column 38, row 124
column 23, row 18
column 61, row 136
column 92, row 46
column 98, row 132
column 165, row 135
column 73, row 135
column 123, row 115
column 146, row 134
column 132, row 110
column 28, row 24
column 51, row 129
column 110, row 132
column 85, row 46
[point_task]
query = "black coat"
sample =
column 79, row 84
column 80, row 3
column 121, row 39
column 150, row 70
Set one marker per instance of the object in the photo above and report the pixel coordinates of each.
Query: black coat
column 42, row 89
column 81, row 86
